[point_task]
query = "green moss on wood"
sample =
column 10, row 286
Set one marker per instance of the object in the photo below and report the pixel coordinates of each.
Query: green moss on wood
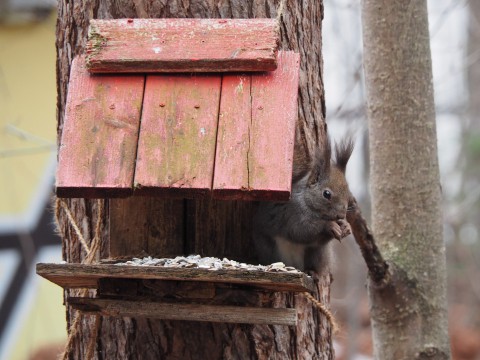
column 96, row 42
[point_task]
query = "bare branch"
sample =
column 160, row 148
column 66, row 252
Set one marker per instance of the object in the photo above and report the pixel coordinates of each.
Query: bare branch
column 378, row 269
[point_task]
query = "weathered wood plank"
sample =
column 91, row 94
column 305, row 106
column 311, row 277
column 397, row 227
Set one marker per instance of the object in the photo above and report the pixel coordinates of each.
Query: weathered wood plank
column 146, row 225
column 189, row 312
column 86, row 276
column 228, row 222
column 231, row 176
column 182, row 45
column 99, row 139
column 256, row 133
column 272, row 133
column 176, row 148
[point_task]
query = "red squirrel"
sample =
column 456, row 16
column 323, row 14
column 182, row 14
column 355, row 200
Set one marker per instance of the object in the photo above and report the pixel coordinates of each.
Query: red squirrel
column 298, row 232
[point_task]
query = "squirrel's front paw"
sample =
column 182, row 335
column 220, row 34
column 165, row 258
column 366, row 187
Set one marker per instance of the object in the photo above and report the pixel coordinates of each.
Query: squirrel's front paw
column 335, row 230
column 345, row 226
column 339, row 229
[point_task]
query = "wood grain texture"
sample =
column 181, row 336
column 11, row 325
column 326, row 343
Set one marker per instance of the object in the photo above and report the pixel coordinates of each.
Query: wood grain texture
column 220, row 228
column 189, row 312
column 83, row 276
column 158, row 290
column 272, row 135
column 178, row 132
column 182, row 45
column 99, row 138
column 207, row 293
column 231, row 176
column 141, row 226
column 256, row 133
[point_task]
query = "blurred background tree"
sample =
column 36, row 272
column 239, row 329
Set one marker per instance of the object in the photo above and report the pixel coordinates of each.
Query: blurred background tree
column 454, row 32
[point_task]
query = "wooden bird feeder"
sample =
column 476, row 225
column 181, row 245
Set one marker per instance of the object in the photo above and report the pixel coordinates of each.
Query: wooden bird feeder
column 179, row 108
column 177, row 293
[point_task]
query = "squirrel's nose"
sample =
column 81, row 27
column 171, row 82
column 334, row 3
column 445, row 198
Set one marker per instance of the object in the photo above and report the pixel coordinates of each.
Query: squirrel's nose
column 340, row 216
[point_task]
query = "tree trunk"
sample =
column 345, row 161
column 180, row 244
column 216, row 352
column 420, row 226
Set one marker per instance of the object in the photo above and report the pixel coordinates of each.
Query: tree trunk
column 409, row 316
column 207, row 227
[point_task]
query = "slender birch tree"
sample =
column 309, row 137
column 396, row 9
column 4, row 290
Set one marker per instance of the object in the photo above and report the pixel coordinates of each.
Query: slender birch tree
column 408, row 303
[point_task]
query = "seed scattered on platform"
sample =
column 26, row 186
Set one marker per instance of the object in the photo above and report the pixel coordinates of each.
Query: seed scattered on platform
column 209, row 263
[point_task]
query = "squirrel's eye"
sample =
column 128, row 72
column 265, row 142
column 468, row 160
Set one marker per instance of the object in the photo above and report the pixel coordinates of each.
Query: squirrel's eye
column 327, row 194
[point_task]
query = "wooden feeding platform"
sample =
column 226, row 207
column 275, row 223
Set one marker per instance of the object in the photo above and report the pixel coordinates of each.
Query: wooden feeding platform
column 193, row 294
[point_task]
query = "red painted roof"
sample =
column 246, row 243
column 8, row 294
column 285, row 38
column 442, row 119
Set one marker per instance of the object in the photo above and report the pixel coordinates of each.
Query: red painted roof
column 228, row 135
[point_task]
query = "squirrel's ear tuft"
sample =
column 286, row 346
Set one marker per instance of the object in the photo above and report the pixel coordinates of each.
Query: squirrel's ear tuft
column 343, row 151
column 321, row 163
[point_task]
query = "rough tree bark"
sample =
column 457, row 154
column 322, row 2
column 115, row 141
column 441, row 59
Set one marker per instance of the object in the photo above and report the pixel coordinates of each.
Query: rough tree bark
column 206, row 227
column 408, row 304
column 467, row 211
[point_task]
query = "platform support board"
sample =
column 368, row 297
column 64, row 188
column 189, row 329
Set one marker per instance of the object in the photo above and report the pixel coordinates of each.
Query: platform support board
column 182, row 45
column 189, row 312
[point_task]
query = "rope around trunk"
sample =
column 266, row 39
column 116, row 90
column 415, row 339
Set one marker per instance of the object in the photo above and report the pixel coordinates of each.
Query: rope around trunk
column 92, row 252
